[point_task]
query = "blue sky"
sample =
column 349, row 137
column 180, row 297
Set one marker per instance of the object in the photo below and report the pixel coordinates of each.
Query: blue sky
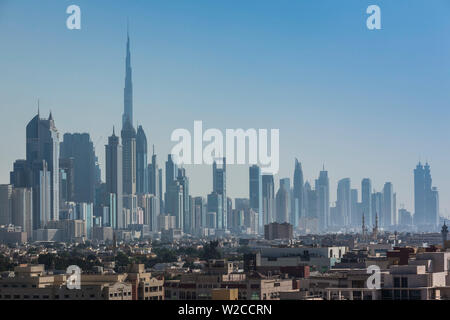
column 365, row 103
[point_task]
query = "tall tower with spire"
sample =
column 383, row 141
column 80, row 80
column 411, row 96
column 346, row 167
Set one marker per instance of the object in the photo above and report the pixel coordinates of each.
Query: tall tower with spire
column 128, row 90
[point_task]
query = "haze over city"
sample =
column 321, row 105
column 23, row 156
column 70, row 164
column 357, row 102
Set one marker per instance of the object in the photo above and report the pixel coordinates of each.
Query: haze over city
column 363, row 104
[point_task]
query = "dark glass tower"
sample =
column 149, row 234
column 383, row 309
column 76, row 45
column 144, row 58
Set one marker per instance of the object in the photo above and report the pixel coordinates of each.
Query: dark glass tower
column 81, row 149
column 114, row 181
column 141, row 162
column 220, row 187
column 298, row 205
column 43, row 162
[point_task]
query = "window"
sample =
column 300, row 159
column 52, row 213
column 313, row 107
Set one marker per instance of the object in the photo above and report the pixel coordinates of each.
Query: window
column 396, row 282
column 404, row 282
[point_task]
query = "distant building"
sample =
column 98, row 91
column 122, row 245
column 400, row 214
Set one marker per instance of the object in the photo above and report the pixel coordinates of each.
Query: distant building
column 275, row 230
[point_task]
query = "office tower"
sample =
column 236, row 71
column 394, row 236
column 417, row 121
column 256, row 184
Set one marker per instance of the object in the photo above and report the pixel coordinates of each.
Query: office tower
column 377, row 205
column 80, row 149
column 85, row 212
column 241, row 204
column 22, row 209
column 220, row 187
column 426, row 204
column 43, row 162
column 153, row 177
column 141, row 162
column 366, row 199
column 66, row 180
column 200, row 212
column 161, row 200
column 311, row 202
column 343, row 203
column 150, row 204
column 282, row 202
column 404, row 218
column 268, row 195
column 323, row 197
column 355, row 208
column 129, row 159
column 298, row 206
column 175, row 203
column 171, row 176
column 215, row 205
column 114, row 179
column 5, row 204
column 387, row 219
column 128, row 90
column 109, row 211
column 230, row 209
column 20, row 177
column 187, row 217
column 255, row 191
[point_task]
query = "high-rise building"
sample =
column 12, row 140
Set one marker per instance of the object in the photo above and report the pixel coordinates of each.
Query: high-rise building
column 129, row 159
column 255, row 187
column 377, row 205
column 355, row 208
column 220, row 187
column 43, row 162
column 22, row 209
column 175, row 203
column 323, row 198
column 268, row 196
column 389, row 216
column 171, row 176
column 141, row 162
column 187, row 216
column 128, row 90
column 366, row 199
column 80, row 149
column 215, row 205
column 426, row 198
column 282, row 202
column 343, row 203
column 66, row 180
column 114, row 179
column 6, row 191
column 298, row 206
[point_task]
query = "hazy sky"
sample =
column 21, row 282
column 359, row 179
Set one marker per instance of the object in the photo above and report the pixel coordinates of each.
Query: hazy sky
column 365, row 103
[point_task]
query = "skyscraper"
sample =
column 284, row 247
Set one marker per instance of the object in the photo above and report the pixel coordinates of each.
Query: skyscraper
column 171, row 176
column 343, row 204
column 187, row 216
column 298, row 206
column 141, row 162
column 282, row 202
column 366, row 200
column 128, row 90
column 43, row 162
column 268, row 196
column 426, row 198
column 129, row 159
column 389, row 216
column 80, row 148
column 255, row 191
column 323, row 198
column 220, row 187
column 114, row 181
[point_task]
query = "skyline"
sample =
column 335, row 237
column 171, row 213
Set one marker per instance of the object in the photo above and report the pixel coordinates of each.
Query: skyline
column 307, row 151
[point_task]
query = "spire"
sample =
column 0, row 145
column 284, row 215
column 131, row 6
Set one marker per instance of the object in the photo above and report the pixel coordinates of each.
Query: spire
column 39, row 108
column 153, row 149
column 114, row 131
column 50, row 117
column 128, row 90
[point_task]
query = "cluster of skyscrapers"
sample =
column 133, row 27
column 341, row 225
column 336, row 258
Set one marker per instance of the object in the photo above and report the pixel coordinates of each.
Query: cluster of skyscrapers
column 61, row 181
